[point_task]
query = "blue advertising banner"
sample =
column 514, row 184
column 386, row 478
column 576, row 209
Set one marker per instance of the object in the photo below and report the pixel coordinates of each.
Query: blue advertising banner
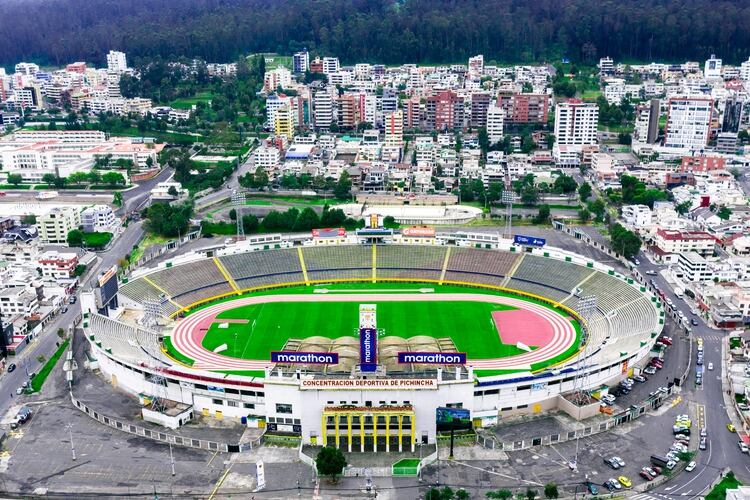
column 432, row 358
column 368, row 349
column 520, row 239
column 308, row 358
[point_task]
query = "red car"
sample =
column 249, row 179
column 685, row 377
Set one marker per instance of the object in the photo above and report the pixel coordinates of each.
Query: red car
column 645, row 475
column 666, row 340
column 657, row 362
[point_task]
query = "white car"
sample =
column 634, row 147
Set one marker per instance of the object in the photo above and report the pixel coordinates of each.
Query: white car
column 690, row 467
column 710, row 366
column 743, row 447
column 619, row 461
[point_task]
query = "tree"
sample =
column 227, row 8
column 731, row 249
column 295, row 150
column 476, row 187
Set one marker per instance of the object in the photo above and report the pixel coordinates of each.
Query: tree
column 332, row 217
column 41, row 358
column 684, row 207
column 584, row 215
column 117, row 199
column 75, row 238
column 29, row 219
column 550, row 490
column 724, row 213
column 543, row 215
column 250, row 223
column 15, row 179
column 49, row 179
column 61, row 332
column 172, row 191
column 169, row 220
column 330, row 462
column 529, row 195
column 306, row 220
column 390, row 222
column 624, row 242
column 343, row 186
column 584, row 191
column 462, row 494
column 531, row 494
column 597, row 207
column 78, row 178
column 564, row 184
column 500, row 494
column 113, row 178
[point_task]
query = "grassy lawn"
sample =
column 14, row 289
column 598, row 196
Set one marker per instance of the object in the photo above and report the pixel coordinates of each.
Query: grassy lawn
column 275, row 323
column 273, row 61
column 720, row 491
column 189, row 102
column 163, row 136
column 590, row 95
column 38, row 381
column 96, row 240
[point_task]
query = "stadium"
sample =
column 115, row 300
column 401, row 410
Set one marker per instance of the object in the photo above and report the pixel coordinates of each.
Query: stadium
column 358, row 342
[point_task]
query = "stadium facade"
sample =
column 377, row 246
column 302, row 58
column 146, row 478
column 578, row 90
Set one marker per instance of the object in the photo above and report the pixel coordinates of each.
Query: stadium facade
column 359, row 410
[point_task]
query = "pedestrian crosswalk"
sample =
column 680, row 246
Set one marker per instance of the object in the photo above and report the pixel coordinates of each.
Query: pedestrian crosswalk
column 712, row 337
column 649, row 496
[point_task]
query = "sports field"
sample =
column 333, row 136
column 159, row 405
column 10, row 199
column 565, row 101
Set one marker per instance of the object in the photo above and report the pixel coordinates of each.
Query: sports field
column 500, row 332
column 270, row 325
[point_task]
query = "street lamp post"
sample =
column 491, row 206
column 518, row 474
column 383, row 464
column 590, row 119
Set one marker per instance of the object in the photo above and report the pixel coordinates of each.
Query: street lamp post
column 72, row 447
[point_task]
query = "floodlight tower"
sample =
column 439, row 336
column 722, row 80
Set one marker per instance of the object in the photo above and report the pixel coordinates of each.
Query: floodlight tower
column 238, row 201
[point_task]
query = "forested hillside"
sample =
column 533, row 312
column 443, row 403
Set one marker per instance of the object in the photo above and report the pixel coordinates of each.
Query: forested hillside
column 388, row 31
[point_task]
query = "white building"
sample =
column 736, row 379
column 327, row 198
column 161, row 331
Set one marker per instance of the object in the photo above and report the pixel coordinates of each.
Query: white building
column 268, row 159
column 301, row 61
column 330, row 65
column 162, row 191
column 322, row 110
column 99, row 218
column 18, row 301
column 636, row 215
column 55, row 225
column 712, row 69
column 58, row 265
column 495, row 123
column 688, row 123
column 576, row 123
column 694, row 267
column 394, row 129
column 117, row 63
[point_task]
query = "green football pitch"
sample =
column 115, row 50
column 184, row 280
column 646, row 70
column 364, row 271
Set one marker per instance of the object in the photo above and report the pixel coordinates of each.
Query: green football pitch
column 270, row 325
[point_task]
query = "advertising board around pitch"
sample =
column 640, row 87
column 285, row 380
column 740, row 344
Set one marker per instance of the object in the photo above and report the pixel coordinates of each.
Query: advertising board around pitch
column 368, row 349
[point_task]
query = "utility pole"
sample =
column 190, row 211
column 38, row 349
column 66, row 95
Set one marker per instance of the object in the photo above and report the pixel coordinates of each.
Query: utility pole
column 171, row 458
column 72, row 447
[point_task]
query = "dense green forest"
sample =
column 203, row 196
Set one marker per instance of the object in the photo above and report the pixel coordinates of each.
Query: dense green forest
column 387, row 31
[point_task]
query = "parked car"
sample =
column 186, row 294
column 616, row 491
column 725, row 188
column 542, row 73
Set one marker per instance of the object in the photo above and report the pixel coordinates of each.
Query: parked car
column 640, row 379
column 690, row 467
column 593, row 489
column 730, row 428
column 619, row 461
column 703, row 443
column 614, row 484
column 743, row 447
column 704, row 432
column 625, row 481
column 650, row 370
column 645, row 475
column 612, row 463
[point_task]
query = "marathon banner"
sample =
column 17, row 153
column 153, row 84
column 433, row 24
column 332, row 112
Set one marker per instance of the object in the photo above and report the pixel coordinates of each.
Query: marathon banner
column 368, row 349
column 432, row 358
column 307, row 358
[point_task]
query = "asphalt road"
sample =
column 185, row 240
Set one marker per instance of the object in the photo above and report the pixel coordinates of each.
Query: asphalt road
column 137, row 197
column 723, row 450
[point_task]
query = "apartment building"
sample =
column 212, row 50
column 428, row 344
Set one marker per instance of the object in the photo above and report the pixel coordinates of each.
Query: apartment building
column 495, row 124
column 58, row 265
column 284, row 122
column 444, row 111
column 55, row 225
column 99, row 218
column 669, row 241
column 480, row 102
column 688, row 123
column 322, row 110
column 394, row 129
column 301, row 61
column 117, row 62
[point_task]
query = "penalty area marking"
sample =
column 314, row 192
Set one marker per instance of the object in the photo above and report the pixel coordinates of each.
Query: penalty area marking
column 377, row 290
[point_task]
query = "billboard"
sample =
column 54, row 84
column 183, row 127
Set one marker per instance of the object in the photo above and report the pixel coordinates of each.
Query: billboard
column 456, row 419
column 308, row 358
column 336, row 232
column 419, row 232
column 368, row 349
column 107, row 288
column 432, row 358
column 520, row 239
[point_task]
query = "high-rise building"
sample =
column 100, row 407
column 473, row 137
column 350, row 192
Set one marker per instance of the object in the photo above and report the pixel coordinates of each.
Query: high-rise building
column 732, row 115
column 279, row 77
column 529, row 108
column 322, row 110
column 712, row 68
column 284, row 121
column 301, row 61
column 116, row 62
column 606, row 66
column 445, row 111
column 647, row 122
column 745, row 70
column 476, row 65
column 576, row 123
column 688, row 123
column 480, row 101
column 394, row 129
column 348, row 115
column 495, row 123
column 25, row 68
column 411, row 113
